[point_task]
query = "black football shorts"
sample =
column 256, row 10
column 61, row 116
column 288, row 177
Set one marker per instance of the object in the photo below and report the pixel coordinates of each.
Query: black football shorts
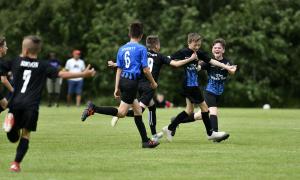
column 128, row 90
column 211, row 99
column 194, row 94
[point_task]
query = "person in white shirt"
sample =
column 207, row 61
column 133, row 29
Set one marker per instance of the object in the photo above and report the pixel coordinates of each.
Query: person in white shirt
column 75, row 85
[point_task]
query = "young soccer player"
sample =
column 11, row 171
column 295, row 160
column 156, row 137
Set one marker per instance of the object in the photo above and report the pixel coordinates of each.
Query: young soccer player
column 191, row 90
column 131, row 58
column 4, row 80
column 146, row 93
column 216, row 82
column 30, row 76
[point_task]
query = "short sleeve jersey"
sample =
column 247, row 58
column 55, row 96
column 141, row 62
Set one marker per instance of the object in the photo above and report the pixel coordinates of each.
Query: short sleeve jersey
column 131, row 58
column 190, row 69
column 73, row 65
column 216, row 77
column 155, row 62
column 29, row 79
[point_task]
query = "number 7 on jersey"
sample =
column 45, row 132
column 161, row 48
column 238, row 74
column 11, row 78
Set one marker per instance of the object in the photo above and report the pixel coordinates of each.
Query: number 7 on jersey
column 26, row 78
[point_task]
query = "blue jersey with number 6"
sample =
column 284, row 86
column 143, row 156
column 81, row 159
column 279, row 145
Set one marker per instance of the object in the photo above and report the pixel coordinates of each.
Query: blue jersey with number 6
column 131, row 58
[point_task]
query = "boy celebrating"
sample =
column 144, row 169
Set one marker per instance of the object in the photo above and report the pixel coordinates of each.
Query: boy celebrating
column 30, row 76
column 191, row 90
column 131, row 58
column 146, row 93
column 215, row 86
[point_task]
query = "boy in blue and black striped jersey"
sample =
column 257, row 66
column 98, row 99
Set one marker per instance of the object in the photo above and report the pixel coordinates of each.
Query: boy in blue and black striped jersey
column 191, row 89
column 131, row 61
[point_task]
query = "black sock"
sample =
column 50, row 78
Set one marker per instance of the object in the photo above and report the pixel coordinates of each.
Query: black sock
column 130, row 112
column 177, row 120
column 152, row 119
column 207, row 123
column 21, row 149
column 189, row 119
column 1, row 109
column 106, row 110
column 214, row 122
column 141, row 127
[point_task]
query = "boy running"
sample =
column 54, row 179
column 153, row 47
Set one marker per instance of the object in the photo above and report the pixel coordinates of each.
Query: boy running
column 131, row 58
column 30, row 75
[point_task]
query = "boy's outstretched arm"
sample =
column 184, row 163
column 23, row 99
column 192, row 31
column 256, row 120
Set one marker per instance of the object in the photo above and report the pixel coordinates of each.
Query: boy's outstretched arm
column 179, row 63
column 230, row 68
column 112, row 64
column 88, row 72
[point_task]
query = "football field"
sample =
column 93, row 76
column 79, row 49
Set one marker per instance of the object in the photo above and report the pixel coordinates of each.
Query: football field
column 263, row 144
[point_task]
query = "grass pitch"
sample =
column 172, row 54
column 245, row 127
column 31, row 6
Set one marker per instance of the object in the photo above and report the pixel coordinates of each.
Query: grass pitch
column 264, row 144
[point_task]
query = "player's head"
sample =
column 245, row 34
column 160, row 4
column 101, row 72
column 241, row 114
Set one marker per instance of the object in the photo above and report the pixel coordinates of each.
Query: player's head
column 136, row 30
column 3, row 46
column 153, row 43
column 194, row 41
column 31, row 46
column 76, row 54
column 218, row 48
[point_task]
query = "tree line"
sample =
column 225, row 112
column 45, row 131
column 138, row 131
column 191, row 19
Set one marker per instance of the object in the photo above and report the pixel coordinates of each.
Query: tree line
column 262, row 39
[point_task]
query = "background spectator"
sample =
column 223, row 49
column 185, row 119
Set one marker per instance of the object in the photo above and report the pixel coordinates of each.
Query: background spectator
column 53, row 85
column 75, row 85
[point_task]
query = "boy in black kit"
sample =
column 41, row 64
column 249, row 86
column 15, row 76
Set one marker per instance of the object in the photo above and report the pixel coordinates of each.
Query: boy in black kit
column 146, row 93
column 191, row 90
column 30, row 76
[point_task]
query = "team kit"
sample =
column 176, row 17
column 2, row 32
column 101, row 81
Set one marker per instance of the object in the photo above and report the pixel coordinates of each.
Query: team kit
column 137, row 75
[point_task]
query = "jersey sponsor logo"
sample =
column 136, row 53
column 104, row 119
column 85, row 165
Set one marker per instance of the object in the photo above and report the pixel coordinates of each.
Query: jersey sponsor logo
column 151, row 54
column 128, row 48
column 29, row 64
column 218, row 77
column 192, row 67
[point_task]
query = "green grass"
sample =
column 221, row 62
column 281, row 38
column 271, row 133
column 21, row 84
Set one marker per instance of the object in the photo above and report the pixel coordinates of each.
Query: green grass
column 264, row 144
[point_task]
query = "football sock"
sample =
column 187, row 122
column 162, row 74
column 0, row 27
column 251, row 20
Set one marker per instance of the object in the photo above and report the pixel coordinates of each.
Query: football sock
column 214, row 122
column 177, row 120
column 106, row 110
column 189, row 119
column 152, row 119
column 21, row 149
column 141, row 127
column 207, row 123
column 130, row 112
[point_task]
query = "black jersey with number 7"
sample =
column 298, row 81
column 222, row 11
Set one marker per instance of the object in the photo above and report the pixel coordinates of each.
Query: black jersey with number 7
column 29, row 77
